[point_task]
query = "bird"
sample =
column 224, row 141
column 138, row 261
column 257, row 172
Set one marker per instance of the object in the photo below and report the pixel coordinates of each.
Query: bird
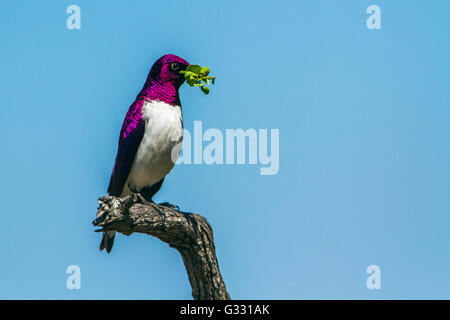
column 151, row 131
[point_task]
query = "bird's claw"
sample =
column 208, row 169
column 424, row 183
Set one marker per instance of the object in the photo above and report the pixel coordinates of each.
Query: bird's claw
column 169, row 205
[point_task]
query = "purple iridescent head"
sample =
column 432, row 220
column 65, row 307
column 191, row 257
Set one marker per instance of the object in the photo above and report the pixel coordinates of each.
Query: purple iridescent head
column 166, row 70
column 164, row 80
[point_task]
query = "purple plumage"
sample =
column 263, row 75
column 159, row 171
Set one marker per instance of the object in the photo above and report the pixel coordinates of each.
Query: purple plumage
column 162, row 85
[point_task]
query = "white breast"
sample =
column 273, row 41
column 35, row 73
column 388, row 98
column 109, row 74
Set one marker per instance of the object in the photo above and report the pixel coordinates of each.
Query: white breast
column 155, row 156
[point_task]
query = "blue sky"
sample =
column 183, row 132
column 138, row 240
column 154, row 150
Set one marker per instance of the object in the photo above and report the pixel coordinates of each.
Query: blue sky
column 364, row 126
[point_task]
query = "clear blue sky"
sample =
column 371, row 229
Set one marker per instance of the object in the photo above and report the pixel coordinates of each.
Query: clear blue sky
column 364, row 120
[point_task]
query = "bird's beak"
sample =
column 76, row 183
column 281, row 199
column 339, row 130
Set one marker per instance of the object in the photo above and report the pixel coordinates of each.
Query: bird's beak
column 182, row 71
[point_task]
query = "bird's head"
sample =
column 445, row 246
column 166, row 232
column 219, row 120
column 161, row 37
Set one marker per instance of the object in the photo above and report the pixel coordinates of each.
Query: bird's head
column 166, row 70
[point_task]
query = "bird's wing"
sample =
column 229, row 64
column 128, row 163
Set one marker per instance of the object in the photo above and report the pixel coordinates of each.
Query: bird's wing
column 130, row 138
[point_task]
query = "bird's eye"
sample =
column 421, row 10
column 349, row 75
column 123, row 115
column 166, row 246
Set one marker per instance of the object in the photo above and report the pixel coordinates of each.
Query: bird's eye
column 175, row 66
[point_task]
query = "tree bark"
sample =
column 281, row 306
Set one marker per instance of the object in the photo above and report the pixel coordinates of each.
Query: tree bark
column 189, row 233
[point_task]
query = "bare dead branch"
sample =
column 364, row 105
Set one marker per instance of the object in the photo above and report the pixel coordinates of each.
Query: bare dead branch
column 189, row 233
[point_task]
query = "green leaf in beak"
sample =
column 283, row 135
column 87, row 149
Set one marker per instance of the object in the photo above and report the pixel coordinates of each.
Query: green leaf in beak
column 194, row 75
column 205, row 89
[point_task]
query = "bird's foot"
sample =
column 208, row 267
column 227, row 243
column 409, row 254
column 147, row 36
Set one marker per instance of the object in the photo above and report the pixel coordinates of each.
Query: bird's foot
column 169, row 205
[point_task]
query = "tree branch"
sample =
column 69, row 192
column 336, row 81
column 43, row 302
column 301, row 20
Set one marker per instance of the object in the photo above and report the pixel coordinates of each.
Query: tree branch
column 189, row 233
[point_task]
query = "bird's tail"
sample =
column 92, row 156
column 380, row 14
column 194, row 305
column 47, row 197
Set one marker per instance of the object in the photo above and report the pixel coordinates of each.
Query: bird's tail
column 107, row 241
